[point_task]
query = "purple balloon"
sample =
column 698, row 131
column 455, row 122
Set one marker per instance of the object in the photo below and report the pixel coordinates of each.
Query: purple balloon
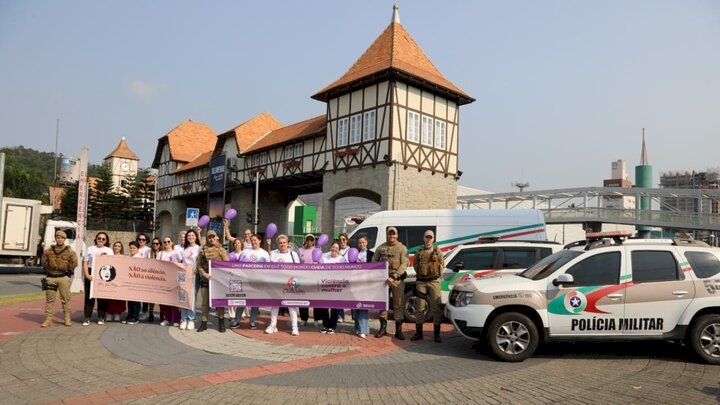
column 230, row 214
column 270, row 230
column 203, row 221
column 316, row 254
column 322, row 240
column 352, row 255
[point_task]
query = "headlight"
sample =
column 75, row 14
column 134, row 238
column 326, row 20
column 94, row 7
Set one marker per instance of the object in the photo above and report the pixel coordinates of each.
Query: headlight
column 463, row 299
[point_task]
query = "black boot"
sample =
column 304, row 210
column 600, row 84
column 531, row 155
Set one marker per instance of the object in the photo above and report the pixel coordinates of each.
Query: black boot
column 221, row 325
column 436, row 330
column 383, row 329
column 398, row 331
column 202, row 327
column 418, row 332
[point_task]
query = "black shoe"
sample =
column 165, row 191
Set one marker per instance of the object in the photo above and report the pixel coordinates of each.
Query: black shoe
column 234, row 325
column 151, row 318
column 418, row 333
column 221, row 325
column 202, row 327
column 383, row 329
column 398, row 331
column 436, row 330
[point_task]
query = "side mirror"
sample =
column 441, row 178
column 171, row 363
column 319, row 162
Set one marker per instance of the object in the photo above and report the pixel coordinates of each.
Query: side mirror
column 458, row 266
column 564, row 280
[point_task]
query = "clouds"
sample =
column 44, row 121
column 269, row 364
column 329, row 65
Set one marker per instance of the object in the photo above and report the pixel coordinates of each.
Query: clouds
column 144, row 91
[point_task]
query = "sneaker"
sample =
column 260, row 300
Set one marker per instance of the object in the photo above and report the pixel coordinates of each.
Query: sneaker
column 331, row 331
column 183, row 325
column 164, row 323
column 253, row 326
column 191, row 325
column 101, row 322
column 124, row 321
column 323, row 330
column 116, row 317
column 363, row 336
column 302, row 323
column 86, row 322
column 132, row 321
column 295, row 332
column 271, row 329
column 234, row 325
column 175, row 324
column 341, row 320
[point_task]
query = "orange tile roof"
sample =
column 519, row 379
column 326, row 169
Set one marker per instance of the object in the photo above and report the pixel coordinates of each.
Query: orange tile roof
column 202, row 159
column 394, row 49
column 289, row 133
column 122, row 151
column 189, row 139
column 253, row 129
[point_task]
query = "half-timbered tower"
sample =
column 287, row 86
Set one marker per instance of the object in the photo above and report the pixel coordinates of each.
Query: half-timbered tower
column 392, row 128
column 123, row 163
column 181, row 158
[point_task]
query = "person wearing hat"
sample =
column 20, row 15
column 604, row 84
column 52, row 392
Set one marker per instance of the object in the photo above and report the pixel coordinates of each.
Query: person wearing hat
column 305, row 254
column 428, row 264
column 59, row 262
column 212, row 250
column 395, row 254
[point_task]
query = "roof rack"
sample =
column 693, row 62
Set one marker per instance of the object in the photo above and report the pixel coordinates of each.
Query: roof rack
column 689, row 242
column 494, row 239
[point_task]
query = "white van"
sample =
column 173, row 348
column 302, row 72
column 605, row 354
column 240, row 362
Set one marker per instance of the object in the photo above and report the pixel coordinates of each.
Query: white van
column 451, row 227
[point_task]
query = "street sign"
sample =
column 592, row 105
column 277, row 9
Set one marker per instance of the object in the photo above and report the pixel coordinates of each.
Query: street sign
column 191, row 216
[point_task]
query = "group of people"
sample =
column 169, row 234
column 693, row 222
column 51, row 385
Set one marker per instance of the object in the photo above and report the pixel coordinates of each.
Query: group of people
column 59, row 261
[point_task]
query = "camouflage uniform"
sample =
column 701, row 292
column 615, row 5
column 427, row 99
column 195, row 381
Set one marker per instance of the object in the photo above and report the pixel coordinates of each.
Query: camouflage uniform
column 396, row 257
column 429, row 264
column 207, row 253
column 59, row 263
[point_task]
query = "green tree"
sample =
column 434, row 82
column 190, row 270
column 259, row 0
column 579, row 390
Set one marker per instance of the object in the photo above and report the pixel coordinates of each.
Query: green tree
column 28, row 173
column 69, row 202
column 102, row 197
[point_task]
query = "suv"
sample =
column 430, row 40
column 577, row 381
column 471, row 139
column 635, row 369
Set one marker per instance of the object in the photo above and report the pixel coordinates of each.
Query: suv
column 487, row 257
column 604, row 289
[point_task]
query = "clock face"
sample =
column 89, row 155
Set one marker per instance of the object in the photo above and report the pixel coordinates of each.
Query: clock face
column 124, row 166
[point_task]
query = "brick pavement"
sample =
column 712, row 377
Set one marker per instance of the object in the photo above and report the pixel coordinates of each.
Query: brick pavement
column 152, row 364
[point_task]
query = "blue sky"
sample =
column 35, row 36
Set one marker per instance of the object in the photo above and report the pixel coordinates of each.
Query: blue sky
column 563, row 87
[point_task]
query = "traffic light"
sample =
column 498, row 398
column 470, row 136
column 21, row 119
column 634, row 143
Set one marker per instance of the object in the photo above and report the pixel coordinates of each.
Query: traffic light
column 249, row 217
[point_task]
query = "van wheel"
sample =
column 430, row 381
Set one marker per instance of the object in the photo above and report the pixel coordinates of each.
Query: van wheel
column 512, row 337
column 412, row 312
column 705, row 338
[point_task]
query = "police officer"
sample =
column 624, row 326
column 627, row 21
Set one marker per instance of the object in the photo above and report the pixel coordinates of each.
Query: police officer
column 395, row 254
column 212, row 250
column 59, row 262
column 429, row 264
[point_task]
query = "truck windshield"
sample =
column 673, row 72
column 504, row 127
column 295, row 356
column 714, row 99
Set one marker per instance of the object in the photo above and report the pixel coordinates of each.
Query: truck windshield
column 548, row 265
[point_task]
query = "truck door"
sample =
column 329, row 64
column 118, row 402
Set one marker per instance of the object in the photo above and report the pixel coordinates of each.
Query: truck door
column 659, row 293
column 16, row 235
column 594, row 304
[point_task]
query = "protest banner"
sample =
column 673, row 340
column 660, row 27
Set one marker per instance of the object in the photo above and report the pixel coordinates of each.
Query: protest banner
column 144, row 280
column 356, row 286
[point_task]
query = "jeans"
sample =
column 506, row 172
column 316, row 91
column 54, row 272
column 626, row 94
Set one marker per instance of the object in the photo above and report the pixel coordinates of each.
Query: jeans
column 329, row 320
column 133, row 310
column 189, row 314
column 254, row 312
column 362, row 324
column 90, row 302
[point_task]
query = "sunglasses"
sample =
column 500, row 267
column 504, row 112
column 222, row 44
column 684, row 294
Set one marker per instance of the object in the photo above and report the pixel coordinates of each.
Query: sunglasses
column 142, row 239
column 101, row 239
column 167, row 241
column 156, row 243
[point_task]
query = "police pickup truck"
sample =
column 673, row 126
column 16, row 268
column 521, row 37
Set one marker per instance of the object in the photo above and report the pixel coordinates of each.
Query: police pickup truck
column 604, row 288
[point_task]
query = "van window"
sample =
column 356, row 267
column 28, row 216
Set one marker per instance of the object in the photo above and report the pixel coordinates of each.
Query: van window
column 412, row 236
column 475, row 259
column 369, row 232
column 70, row 232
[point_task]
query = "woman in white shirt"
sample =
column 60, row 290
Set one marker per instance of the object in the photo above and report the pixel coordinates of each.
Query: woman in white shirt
column 191, row 250
column 100, row 248
column 170, row 314
column 283, row 254
column 256, row 255
column 344, row 249
column 330, row 320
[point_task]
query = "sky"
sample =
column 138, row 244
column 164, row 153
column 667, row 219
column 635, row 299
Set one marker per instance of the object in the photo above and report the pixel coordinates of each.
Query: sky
column 562, row 88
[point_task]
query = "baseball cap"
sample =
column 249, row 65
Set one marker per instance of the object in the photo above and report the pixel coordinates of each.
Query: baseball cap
column 310, row 236
column 211, row 233
column 392, row 229
column 61, row 234
column 429, row 233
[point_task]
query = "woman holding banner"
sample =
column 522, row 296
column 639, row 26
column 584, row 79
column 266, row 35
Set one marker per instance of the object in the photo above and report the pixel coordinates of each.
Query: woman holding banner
column 190, row 253
column 100, row 248
column 169, row 313
column 305, row 254
column 115, row 308
column 133, row 312
column 362, row 316
column 330, row 319
column 344, row 249
column 283, row 254
column 255, row 254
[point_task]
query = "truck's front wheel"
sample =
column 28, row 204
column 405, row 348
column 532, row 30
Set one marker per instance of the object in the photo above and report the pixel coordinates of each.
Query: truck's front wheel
column 705, row 338
column 512, row 337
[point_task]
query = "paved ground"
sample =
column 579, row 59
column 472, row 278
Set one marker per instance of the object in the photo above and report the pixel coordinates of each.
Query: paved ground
column 150, row 364
column 19, row 283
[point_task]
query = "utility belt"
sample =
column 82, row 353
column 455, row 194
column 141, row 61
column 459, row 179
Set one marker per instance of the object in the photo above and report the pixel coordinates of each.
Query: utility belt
column 57, row 275
column 45, row 286
column 427, row 278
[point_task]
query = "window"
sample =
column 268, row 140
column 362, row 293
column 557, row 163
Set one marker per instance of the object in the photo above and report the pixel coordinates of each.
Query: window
column 342, row 133
column 439, row 134
column 260, row 159
column 370, row 233
column 650, row 266
column 549, row 264
column 475, row 259
column 601, row 269
column 412, row 236
column 413, row 126
column 427, row 131
column 369, row 126
column 518, row 258
column 288, row 152
column 355, row 127
column 298, row 150
column 704, row 264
